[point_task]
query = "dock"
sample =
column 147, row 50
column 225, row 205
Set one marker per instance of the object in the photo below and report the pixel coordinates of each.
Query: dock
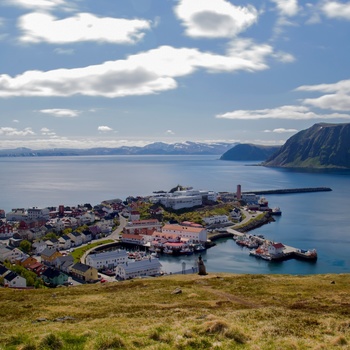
column 285, row 253
column 290, row 190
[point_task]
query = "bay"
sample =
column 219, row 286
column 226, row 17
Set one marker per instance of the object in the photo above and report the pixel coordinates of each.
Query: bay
column 309, row 220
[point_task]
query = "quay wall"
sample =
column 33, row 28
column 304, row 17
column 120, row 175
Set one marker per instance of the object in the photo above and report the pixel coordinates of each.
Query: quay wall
column 290, row 190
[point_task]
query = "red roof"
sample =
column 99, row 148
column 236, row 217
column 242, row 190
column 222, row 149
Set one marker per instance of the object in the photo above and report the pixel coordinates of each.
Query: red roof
column 278, row 245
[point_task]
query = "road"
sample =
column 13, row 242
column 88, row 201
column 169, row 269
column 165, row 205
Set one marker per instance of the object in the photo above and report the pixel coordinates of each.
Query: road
column 115, row 235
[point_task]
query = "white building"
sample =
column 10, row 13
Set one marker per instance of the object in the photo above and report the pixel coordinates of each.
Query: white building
column 132, row 239
column 216, row 219
column 12, row 280
column 76, row 238
column 276, row 248
column 108, row 259
column 16, row 215
column 105, row 225
column 65, row 242
column 87, row 218
column 194, row 234
column 142, row 226
column 39, row 247
column 36, row 213
column 184, row 199
column 145, row 267
column 6, row 253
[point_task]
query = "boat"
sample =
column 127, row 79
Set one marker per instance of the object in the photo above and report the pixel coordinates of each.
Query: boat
column 167, row 251
column 199, row 248
column 306, row 254
column 276, row 211
column 186, row 251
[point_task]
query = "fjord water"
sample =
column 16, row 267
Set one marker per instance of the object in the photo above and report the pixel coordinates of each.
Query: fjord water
column 309, row 220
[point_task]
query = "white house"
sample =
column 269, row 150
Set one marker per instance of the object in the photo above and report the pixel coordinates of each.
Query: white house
column 16, row 215
column 12, row 280
column 132, row 239
column 65, row 242
column 236, row 214
column 87, row 218
column 140, row 268
column 59, row 225
column 216, row 219
column 134, row 215
column 53, row 243
column 6, row 253
column 109, row 259
column 76, row 237
column 87, row 236
column 194, row 234
column 105, row 225
column 39, row 246
column 276, row 248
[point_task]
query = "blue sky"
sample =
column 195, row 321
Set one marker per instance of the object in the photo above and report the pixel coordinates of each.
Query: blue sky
column 111, row 73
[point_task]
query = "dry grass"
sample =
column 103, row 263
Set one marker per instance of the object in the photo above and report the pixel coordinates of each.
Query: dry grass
column 220, row 311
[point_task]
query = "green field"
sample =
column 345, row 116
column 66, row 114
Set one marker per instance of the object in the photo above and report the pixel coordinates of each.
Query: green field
column 217, row 311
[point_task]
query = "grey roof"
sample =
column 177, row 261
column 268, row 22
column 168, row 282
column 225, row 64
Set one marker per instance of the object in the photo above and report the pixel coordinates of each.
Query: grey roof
column 48, row 251
column 3, row 270
column 142, row 265
column 81, row 267
column 10, row 276
column 51, row 273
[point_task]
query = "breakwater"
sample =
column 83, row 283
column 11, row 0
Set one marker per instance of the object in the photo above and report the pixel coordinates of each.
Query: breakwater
column 290, row 190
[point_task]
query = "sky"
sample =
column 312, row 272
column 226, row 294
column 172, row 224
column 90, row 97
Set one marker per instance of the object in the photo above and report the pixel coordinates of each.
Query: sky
column 107, row 73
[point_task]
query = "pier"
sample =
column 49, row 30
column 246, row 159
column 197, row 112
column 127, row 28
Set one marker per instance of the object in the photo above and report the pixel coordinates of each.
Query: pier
column 263, row 250
column 290, row 190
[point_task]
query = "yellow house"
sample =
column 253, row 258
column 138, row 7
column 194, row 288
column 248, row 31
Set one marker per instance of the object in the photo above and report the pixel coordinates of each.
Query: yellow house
column 49, row 255
column 84, row 272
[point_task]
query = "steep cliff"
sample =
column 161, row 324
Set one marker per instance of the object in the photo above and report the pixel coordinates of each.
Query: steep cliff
column 321, row 146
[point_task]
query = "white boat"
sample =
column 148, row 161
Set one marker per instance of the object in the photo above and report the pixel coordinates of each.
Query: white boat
column 276, row 211
column 167, row 251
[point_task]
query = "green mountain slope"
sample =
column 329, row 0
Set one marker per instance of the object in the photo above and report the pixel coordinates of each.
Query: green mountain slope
column 321, row 146
column 249, row 152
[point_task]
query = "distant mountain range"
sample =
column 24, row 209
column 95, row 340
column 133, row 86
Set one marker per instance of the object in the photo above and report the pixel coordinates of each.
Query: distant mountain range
column 157, row 148
column 321, row 146
column 249, row 152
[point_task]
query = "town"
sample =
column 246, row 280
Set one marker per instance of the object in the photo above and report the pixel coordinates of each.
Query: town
column 123, row 239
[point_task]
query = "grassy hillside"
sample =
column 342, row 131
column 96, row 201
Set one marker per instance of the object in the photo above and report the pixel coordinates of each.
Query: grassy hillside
column 217, row 311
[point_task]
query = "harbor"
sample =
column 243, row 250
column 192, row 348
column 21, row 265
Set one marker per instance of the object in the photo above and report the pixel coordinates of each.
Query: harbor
column 265, row 249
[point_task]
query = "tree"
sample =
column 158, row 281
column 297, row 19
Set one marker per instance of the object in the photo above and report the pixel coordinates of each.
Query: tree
column 25, row 246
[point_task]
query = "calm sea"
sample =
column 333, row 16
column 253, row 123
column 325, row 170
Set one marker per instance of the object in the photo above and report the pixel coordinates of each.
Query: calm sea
column 312, row 220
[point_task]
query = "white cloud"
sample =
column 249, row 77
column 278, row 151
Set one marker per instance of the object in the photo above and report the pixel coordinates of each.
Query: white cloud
column 46, row 142
column 15, row 120
column 35, row 4
column 43, row 27
column 281, row 130
column 7, row 131
column 169, row 132
column 287, row 8
column 47, row 132
column 61, row 113
column 214, row 18
column 104, row 128
column 337, row 95
column 62, row 51
column 336, row 9
column 141, row 74
column 283, row 112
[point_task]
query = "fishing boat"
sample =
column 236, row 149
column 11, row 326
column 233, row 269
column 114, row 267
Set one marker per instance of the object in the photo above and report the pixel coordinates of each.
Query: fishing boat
column 276, row 211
